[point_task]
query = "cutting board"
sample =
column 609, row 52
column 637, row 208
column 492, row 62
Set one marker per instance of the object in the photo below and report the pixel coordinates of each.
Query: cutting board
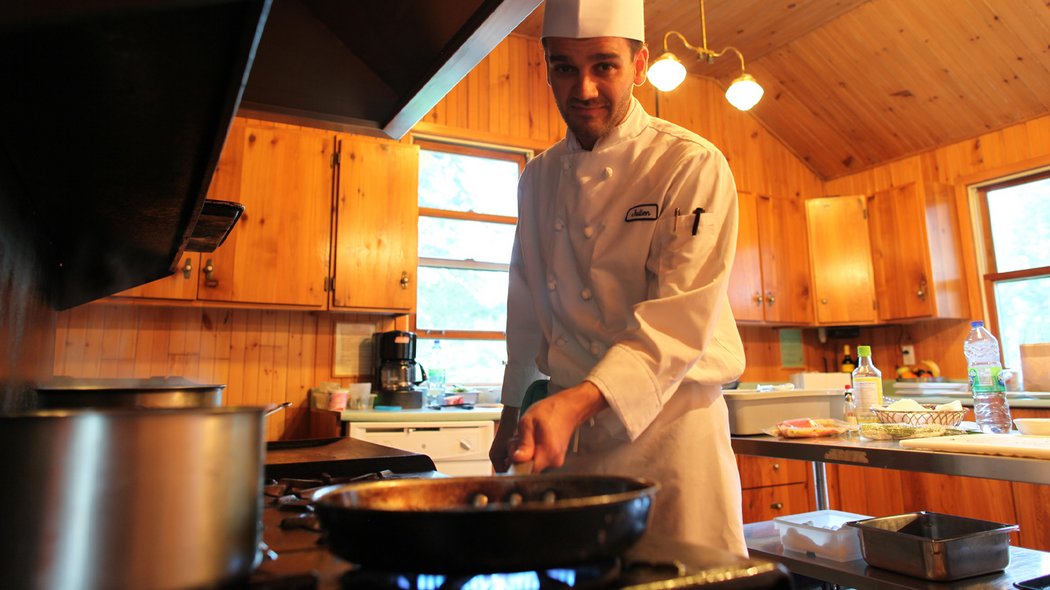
column 1011, row 445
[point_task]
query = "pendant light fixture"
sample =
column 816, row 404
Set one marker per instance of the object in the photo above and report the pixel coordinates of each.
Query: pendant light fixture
column 667, row 72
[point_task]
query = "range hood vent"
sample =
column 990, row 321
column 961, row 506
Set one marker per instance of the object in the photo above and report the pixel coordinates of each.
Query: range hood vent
column 376, row 65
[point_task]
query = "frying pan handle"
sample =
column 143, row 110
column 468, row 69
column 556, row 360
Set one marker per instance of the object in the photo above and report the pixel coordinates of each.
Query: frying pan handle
column 280, row 407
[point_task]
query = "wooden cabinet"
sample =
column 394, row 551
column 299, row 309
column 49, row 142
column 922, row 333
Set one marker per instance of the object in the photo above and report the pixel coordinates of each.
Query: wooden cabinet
column 278, row 252
column 840, row 260
column 774, row 487
column 916, row 253
column 180, row 286
column 770, row 280
column 377, row 213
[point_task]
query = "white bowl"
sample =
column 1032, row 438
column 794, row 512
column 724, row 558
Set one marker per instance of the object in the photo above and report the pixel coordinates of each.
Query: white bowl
column 1036, row 426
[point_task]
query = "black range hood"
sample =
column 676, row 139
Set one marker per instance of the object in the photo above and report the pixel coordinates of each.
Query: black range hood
column 112, row 117
column 375, row 65
column 113, row 112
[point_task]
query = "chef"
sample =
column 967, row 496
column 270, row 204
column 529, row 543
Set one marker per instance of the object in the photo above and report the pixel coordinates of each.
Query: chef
column 617, row 305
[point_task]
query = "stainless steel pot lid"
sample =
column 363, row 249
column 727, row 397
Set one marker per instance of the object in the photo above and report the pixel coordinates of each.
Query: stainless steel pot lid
column 65, row 383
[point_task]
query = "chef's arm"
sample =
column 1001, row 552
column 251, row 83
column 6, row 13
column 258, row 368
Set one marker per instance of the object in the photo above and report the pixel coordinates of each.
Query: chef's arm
column 547, row 427
column 499, row 452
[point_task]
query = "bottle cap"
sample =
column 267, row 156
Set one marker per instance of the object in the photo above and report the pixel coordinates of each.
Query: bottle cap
column 977, row 324
column 863, row 351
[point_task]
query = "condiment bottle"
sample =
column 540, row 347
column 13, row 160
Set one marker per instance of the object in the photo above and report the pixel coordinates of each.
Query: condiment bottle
column 849, row 409
column 867, row 385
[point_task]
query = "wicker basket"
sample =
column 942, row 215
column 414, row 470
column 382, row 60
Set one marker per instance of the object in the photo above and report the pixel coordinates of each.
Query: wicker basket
column 920, row 418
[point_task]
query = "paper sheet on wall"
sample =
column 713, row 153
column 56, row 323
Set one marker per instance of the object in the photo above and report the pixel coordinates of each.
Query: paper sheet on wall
column 353, row 349
column 790, row 348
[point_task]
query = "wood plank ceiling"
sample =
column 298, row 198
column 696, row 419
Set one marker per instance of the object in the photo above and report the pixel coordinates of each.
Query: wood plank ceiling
column 851, row 84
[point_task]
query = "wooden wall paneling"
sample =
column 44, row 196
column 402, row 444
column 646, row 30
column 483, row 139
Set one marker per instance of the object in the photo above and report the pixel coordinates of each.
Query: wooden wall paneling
column 1032, row 505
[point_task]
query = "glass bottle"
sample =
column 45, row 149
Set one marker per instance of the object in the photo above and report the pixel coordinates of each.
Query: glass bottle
column 847, row 361
column 849, row 409
column 867, row 385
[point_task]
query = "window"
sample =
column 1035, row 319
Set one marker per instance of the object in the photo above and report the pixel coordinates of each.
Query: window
column 467, row 212
column 1014, row 238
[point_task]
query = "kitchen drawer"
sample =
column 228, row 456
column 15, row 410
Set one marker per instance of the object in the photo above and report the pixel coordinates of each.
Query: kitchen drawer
column 451, row 441
column 757, row 472
column 761, row 504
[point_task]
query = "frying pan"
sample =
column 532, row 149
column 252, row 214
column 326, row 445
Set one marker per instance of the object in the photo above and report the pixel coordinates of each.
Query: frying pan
column 484, row 524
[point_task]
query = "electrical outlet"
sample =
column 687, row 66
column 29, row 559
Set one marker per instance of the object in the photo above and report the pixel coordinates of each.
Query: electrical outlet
column 908, row 352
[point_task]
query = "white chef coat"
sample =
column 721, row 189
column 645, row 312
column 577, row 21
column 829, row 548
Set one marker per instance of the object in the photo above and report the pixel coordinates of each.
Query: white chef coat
column 618, row 276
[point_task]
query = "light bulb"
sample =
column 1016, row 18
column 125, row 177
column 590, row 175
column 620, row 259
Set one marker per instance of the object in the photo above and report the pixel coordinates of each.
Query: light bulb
column 667, row 72
column 744, row 92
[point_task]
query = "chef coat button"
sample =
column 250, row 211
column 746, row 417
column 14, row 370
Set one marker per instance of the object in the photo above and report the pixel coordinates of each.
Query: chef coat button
column 608, row 172
column 559, row 225
column 588, row 231
column 565, row 165
column 595, row 348
column 586, row 294
column 561, row 341
column 551, row 285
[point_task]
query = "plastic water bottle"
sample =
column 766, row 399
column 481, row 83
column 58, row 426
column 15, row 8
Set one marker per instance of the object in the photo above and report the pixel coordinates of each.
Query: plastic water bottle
column 435, row 392
column 986, row 380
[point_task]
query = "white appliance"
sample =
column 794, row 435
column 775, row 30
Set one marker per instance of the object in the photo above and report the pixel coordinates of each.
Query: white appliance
column 457, row 448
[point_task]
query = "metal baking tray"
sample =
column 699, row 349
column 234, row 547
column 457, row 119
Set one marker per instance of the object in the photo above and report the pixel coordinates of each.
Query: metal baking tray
column 935, row 546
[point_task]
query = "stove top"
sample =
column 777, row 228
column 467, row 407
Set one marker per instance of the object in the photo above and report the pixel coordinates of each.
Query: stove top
column 297, row 558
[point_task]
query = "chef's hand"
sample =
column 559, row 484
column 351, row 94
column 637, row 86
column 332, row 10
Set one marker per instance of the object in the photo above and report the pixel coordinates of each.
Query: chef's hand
column 499, row 452
column 547, row 427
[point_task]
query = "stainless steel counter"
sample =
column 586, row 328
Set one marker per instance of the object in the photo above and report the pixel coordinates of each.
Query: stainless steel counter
column 890, row 455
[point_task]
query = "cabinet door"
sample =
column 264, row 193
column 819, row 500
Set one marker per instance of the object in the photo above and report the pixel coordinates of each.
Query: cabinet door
column 767, row 503
column 745, row 280
column 785, row 260
column 900, row 253
column 840, row 255
column 376, row 218
column 181, row 286
column 278, row 252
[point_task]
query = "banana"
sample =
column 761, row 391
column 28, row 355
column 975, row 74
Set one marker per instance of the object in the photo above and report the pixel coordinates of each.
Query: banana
column 934, row 368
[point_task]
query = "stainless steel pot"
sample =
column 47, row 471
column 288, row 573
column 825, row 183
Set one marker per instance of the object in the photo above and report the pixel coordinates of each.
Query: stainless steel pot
column 131, row 498
column 155, row 392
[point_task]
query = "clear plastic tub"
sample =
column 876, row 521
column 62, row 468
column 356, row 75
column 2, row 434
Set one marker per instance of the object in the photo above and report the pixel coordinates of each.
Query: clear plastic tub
column 821, row 534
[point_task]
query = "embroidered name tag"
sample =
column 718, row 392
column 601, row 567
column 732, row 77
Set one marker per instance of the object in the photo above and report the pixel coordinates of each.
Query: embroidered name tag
column 642, row 213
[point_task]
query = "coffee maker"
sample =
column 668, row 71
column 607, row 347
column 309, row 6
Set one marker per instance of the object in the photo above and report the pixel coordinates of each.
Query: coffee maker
column 397, row 374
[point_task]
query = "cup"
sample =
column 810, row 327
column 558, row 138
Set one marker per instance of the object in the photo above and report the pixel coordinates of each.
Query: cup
column 360, row 396
column 337, row 399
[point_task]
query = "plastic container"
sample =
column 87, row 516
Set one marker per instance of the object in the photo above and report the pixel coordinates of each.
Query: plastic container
column 751, row 412
column 821, row 534
column 934, row 546
column 990, row 408
column 338, row 399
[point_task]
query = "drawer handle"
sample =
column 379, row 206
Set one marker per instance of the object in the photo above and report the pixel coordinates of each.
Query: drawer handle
column 776, row 467
column 465, row 445
column 776, row 505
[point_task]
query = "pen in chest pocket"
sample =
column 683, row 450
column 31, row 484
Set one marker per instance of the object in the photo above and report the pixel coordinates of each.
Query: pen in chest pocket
column 696, row 219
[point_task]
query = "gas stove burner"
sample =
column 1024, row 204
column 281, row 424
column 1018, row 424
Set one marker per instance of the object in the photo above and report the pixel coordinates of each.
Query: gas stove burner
column 290, row 493
column 582, row 576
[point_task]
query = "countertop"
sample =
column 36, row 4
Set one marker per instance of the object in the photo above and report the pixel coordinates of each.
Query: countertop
column 447, row 414
column 890, row 455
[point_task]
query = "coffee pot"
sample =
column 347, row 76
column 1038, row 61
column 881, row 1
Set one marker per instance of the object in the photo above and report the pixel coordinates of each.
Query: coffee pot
column 397, row 374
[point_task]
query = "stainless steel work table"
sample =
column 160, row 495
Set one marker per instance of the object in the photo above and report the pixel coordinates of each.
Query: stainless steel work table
column 764, row 541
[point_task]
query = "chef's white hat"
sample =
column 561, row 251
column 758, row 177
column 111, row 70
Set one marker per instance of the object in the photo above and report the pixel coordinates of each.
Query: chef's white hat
column 582, row 19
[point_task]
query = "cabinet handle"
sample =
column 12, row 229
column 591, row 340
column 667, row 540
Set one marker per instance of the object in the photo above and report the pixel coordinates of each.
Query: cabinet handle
column 758, row 298
column 187, row 268
column 776, row 505
column 404, row 280
column 922, row 289
column 769, row 298
column 210, row 281
column 824, row 300
column 776, row 467
column 465, row 445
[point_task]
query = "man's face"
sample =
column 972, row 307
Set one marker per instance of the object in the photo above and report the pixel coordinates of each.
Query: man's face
column 592, row 80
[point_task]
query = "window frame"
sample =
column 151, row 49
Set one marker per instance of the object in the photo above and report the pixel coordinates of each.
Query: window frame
column 987, row 270
column 482, row 150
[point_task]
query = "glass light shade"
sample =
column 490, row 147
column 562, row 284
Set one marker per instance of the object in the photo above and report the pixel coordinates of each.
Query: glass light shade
column 667, row 72
column 744, row 92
